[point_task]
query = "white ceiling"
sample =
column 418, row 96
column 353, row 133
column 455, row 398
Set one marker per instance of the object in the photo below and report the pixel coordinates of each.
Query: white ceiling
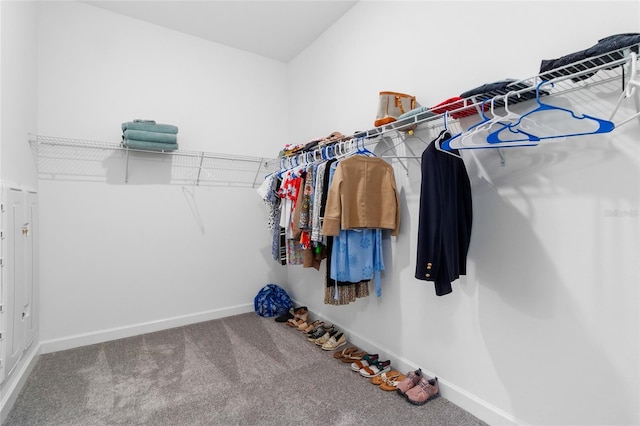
column 276, row 29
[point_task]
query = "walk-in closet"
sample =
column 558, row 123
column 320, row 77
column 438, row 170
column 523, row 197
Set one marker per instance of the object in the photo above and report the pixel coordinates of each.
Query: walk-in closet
column 446, row 192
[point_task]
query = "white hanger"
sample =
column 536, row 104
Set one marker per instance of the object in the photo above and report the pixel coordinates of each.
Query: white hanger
column 436, row 142
column 467, row 140
column 629, row 90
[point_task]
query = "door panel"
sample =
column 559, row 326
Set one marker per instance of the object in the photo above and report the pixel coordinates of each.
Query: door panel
column 31, row 300
column 14, row 274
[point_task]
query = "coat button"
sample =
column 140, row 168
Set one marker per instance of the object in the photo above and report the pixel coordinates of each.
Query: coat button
column 427, row 275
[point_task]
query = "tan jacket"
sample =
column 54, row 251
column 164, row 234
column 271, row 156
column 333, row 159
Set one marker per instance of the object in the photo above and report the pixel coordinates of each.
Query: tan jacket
column 362, row 195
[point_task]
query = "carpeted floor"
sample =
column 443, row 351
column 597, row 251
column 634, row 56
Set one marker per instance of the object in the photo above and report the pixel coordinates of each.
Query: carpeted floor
column 240, row 370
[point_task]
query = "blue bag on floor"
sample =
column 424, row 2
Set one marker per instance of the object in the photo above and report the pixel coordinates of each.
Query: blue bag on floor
column 272, row 301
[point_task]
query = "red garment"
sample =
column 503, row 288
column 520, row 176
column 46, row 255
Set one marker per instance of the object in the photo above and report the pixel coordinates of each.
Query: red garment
column 453, row 104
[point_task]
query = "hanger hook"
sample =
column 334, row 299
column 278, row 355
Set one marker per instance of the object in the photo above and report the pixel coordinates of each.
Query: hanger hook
column 444, row 116
column 542, row 83
column 506, row 101
column 630, row 89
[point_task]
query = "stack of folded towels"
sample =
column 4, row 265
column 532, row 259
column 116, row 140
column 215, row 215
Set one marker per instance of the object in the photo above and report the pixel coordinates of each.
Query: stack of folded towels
column 149, row 135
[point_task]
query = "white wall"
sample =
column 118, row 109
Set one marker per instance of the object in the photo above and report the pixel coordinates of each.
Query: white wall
column 118, row 258
column 544, row 328
column 19, row 92
column 18, row 117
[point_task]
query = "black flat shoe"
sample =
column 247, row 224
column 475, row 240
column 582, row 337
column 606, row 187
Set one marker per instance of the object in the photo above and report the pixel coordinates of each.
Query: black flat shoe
column 285, row 317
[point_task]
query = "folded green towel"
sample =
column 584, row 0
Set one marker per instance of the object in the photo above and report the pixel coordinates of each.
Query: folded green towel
column 149, row 146
column 416, row 111
column 143, row 135
column 149, row 126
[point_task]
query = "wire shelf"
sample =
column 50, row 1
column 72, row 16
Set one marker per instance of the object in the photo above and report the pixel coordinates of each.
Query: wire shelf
column 590, row 81
column 60, row 158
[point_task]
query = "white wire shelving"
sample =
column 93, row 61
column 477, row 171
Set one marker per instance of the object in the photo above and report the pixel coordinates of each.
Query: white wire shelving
column 60, row 158
column 587, row 81
column 605, row 73
column 596, row 82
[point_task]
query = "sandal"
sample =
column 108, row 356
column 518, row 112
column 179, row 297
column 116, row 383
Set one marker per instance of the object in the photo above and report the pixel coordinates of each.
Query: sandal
column 364, row 361
column 295, row 322
column 378, row 367
column 391, row 384
column 353, row 357
column 318, row 332
column 303, row 325
column 378, row 380
column 311, row 326
column 345, row 352
column 300, row 315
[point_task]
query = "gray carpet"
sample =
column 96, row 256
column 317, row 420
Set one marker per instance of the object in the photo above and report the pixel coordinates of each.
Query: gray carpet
column 239, row 370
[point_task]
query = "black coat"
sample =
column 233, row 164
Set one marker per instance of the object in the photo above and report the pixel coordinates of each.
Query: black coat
column 444, row 228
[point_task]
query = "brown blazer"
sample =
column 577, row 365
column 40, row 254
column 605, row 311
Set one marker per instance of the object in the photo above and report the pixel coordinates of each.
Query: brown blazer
column 362, row 195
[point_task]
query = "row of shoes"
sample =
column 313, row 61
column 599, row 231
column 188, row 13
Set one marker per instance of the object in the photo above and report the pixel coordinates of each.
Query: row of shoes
column 327, row 336
column 415, row 387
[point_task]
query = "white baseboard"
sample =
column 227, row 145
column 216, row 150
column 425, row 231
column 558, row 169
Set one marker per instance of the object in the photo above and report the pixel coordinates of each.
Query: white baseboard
column 78, row 340
column 13, row 385
column 471, row 403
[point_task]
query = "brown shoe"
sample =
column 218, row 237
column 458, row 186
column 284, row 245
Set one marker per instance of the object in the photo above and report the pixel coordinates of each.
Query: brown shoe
column 391, row 383
column 353, row 357
column 424, row 391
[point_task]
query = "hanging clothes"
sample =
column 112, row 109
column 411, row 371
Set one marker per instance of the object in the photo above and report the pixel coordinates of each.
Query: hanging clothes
column 362, row 200
column 268, row 191
column 363, row 194
column 316, row 235
column 337, row 209
column 444, row 227
column 358, row 256
column 290, row 188
column 337, row 292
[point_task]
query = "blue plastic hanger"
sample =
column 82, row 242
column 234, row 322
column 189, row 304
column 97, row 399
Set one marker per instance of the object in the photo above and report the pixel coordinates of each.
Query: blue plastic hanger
column 362, row 149
column 330, row 152
column 505, row 120
column 459, row 139
column 604, row 126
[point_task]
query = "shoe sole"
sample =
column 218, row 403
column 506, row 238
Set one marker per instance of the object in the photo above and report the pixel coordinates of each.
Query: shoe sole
column 384, row 370
column 333, row 348
column 357, row 370
column 402, row 394
column 422, row 402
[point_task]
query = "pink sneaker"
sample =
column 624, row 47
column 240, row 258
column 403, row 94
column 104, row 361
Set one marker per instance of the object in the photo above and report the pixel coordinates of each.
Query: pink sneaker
column 410, row 381
column 424, row 391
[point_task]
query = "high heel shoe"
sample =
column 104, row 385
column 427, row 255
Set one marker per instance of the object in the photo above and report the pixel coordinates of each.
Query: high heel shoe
column 308, row 327
column 300, row 315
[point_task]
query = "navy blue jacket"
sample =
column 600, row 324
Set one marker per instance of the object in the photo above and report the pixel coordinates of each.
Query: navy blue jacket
column 444, row 228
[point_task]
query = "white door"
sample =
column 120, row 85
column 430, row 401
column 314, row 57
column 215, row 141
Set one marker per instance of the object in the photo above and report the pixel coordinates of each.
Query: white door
column 13, row 269
column 31, row 281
